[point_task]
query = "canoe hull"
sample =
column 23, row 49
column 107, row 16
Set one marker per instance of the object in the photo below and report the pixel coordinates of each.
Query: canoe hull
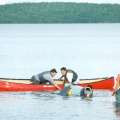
column 10, row 86
column 105, row 84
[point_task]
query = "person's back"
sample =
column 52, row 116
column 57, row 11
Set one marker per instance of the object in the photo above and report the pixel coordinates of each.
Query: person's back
column 74, row 75
column 45, row 77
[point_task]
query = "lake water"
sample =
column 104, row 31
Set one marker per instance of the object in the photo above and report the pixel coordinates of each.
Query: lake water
column 92, row 50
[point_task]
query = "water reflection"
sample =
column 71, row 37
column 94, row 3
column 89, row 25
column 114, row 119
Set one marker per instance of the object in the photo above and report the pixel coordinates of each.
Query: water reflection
column 40, row 102
column 87, row 99
column 117, row 109
column 43, row 96
column 37, row 95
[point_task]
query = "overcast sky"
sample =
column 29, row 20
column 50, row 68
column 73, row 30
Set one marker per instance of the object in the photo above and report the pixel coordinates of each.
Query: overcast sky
column 2, row 2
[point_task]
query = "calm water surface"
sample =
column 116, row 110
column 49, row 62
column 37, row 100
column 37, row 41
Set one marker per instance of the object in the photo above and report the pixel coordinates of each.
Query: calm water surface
column 92, row 50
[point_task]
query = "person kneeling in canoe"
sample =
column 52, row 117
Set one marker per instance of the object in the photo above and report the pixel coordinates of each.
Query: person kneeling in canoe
column 45, row 77
column 69, row 75
column 117, row 85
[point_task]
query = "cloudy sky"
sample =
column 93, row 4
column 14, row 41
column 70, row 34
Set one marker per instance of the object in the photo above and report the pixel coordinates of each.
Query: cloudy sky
column 2, row 2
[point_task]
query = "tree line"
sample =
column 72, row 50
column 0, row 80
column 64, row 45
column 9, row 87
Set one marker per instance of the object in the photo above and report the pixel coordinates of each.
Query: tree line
column 59, row 12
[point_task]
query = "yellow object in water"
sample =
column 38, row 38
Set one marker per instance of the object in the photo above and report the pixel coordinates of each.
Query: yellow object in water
column 69, row 92
column 88, row 89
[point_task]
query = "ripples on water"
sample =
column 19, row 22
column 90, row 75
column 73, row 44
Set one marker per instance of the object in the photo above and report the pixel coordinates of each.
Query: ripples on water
column 51, row 106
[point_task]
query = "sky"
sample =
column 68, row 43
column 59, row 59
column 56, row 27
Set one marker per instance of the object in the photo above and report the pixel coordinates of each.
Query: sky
column 2, row 2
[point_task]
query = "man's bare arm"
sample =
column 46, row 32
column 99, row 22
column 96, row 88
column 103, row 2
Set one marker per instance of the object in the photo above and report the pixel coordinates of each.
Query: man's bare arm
column 116, row 87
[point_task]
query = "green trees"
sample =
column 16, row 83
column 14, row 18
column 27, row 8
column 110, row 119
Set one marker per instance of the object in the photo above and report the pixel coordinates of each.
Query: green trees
column 58, row 12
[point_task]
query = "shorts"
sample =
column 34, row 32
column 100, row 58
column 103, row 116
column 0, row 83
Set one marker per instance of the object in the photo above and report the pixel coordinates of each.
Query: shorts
column 33, row 79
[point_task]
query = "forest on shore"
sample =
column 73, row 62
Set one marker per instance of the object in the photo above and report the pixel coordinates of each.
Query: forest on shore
column 59, row 12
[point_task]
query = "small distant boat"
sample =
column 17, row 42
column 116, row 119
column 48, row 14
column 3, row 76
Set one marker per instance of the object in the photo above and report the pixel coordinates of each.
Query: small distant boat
column 7, row 84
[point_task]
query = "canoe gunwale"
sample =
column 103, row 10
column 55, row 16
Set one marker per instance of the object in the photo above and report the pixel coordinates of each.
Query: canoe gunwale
column 102, row 79
column 57, row 79
column 105, row 78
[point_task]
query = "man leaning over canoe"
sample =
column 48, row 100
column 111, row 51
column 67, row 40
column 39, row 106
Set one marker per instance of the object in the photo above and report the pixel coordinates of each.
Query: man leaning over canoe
column 45, row 77
column 69, row 75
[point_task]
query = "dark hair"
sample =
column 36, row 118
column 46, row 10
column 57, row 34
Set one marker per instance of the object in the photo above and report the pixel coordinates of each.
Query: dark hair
column 90, row 86
column 53, row 70
column 63, row 68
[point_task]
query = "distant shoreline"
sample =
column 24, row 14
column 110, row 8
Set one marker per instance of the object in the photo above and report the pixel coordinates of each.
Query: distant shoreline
column 59, row 13
column 51, row 23
column 59, row 2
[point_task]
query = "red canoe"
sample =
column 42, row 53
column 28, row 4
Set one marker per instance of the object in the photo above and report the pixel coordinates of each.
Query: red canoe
column 25, row 84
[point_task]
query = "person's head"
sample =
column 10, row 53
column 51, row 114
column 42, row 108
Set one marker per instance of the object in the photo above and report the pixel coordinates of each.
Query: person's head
column 53, row 72
column 90, row 86
column 63, row 71
column 90, row 94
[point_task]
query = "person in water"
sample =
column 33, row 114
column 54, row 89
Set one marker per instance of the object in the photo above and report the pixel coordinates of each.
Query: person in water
column 69, row 75
column 86, row 92
column 45, row 77
column 117, row 85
